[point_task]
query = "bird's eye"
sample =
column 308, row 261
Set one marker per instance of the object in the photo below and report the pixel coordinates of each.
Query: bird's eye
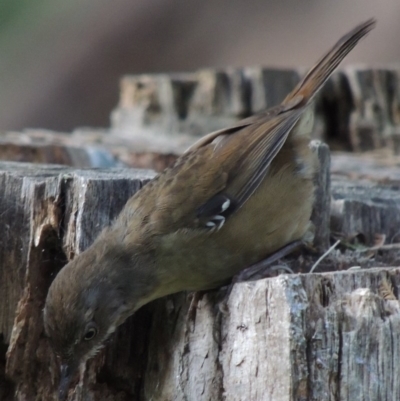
column 90, row 333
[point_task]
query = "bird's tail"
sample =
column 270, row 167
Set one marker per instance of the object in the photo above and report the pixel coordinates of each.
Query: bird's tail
column 318, row 75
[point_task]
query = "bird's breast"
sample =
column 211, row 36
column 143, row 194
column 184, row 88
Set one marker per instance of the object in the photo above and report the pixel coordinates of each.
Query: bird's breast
column 276, row 214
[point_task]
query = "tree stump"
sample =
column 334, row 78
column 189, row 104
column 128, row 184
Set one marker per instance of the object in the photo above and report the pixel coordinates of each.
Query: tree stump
column 159, row 115
column 331, row 335
column 310, row 336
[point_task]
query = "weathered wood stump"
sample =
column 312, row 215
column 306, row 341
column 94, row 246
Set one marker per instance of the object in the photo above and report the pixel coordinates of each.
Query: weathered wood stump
column 48, row 213
column 358, row 109
column 160, row 115
column 293, row 337
column 84, row 148
column 332, row 335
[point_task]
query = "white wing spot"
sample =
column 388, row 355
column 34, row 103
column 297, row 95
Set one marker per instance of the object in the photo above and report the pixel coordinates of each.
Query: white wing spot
column 216, row 222
column 225, row 205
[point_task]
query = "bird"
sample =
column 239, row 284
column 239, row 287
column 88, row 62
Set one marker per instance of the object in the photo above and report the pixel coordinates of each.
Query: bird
column 235, row 197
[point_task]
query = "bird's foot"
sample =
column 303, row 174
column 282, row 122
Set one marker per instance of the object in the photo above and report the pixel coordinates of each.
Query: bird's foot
column 256, row 271
column 263, row 268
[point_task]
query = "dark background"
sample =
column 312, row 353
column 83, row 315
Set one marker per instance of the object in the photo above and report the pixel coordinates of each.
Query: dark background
column 60, row 61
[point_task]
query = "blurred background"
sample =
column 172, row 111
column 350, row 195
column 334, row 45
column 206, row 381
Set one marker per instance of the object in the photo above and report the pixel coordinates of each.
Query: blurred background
column 60, row 61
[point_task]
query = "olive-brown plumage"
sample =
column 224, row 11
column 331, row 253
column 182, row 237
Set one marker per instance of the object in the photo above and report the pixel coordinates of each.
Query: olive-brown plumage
column 233, row 198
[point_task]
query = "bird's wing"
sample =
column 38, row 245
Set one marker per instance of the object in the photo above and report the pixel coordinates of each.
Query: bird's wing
column 219, row 173
column 254, row 142
column 211, row 181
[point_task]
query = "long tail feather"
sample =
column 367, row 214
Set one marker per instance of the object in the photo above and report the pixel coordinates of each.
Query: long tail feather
column 318, row 75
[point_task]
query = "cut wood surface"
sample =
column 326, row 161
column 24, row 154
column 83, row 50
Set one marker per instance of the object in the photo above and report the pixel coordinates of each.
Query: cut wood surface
column 45, row 220
column 87, row 148
column 332, row 335
column 358, row 108
column 158, row 116
column 293, row 337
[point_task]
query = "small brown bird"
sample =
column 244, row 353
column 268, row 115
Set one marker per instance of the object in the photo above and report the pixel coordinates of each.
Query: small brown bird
column 235, row 197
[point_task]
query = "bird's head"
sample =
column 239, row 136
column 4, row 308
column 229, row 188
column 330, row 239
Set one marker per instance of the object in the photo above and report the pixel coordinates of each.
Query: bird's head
column 87, row 301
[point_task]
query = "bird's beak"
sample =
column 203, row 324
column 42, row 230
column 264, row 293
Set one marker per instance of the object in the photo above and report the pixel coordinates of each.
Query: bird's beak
column 67, row 373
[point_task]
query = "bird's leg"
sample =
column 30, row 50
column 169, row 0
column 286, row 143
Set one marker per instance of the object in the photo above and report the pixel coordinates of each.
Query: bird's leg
column 263, row 268
column 256, row 271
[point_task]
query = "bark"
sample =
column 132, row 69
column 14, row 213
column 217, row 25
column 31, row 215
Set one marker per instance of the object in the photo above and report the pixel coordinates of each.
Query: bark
column 328, row 336
column 160, row 115
column 358, row 109
column 48, row 214
column 331, row 335
column 83, row 148
column 292, row 337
